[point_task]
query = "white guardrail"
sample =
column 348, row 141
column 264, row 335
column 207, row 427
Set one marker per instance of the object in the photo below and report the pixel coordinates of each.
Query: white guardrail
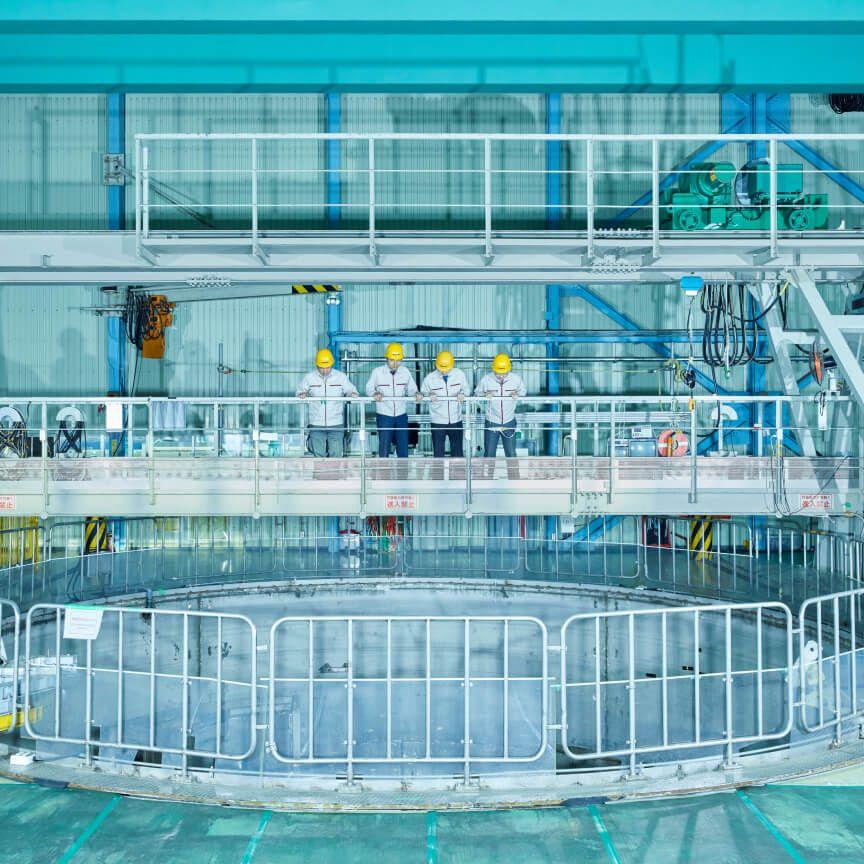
column 258, row 184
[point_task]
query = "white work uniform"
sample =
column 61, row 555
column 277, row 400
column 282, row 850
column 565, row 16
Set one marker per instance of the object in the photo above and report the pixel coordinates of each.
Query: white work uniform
column 501, row 406
column 435, row 384
column 318, row 388
column 394, row 387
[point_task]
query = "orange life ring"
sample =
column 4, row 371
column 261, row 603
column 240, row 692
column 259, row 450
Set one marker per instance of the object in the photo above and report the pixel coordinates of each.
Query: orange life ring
column 672, row 442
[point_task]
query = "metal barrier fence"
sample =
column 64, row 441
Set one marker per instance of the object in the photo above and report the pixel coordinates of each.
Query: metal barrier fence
column 408, row 689
column 831, row 660
column 730, row 559
column 672, row 679
column 151, row 682
column 637, row 687
column 725, row 558
column 10, row 630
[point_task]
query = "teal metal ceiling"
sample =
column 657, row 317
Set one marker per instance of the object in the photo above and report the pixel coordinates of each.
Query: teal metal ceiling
column 51, row 45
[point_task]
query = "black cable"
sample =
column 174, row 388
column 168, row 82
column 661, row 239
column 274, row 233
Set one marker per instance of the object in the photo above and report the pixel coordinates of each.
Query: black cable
column 13, row 438
column 844, row 103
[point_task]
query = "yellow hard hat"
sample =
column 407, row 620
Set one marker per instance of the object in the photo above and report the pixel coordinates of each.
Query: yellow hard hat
column 501, row 365
column 324, row 359
column 394, row 352
column 445, row 361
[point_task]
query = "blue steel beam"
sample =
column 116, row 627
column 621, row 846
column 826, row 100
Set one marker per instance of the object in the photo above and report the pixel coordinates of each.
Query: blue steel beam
column 518, row 337
column 553, row 220
column 553, row 292
column 504, row 46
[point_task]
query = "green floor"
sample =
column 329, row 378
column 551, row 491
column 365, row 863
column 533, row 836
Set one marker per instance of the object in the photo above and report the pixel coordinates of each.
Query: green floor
column 766, row 825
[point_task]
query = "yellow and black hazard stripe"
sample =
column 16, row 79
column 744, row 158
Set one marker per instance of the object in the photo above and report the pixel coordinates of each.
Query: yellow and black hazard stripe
column 95, row 535
column 701, row 537
column 315, row 289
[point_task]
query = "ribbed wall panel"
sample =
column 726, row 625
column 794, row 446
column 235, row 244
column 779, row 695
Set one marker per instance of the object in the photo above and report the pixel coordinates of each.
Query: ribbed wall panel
column 51, row 151
column 470, row 307
column 812, row 114
column 272, row 338
column 50, row 344
column 421, row 184
column 184, row 198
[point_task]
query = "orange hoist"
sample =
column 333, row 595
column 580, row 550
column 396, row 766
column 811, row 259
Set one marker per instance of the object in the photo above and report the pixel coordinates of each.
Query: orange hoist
column 160, row 314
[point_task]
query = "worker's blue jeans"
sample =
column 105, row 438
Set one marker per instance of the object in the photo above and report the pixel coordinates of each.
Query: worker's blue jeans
column 506, row 432
column 392, row 430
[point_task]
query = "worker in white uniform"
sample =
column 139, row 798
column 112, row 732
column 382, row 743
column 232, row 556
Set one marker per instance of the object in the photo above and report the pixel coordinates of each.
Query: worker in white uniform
column 391, row 385
column 446, row 388
column 502, row 387
column 326, row 418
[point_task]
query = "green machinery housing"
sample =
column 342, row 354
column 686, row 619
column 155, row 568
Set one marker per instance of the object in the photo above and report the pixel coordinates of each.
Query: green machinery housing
column 717, row 195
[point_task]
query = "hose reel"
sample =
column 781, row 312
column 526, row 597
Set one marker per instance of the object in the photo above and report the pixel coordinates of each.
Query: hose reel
column 13, row 433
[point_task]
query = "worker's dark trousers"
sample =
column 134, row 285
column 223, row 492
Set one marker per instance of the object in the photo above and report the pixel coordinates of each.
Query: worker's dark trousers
column 440, row 433
column 392, row 430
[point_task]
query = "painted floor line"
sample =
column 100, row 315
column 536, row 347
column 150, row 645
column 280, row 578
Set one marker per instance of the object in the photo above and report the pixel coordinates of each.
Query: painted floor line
column 600, row 825
column 771, row 828
column 255, row 839
column 90, row 830
column 431, row 837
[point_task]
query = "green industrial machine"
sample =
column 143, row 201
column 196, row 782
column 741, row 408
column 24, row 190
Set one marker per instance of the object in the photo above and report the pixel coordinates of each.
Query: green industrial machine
column 716, row 195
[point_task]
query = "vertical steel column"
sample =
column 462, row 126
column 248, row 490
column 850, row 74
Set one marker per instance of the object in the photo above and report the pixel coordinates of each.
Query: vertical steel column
column 553, row 292
column 333, row 302
column 116, row 143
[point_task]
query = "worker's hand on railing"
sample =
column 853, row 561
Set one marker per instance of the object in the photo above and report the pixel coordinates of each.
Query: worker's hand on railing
column 418, row 397
column 303, row 395
column 353, row 395
column 433, row 397
column 460, row 397
column 378, row 397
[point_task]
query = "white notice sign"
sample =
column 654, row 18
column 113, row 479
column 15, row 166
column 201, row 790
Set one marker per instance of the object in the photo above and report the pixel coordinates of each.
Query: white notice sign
column 82, row 622
column 400, row 503
column 7, row 502
column 816, row 502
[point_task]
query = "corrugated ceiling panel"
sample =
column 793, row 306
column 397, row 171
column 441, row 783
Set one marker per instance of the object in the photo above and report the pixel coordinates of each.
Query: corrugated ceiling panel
column 51, row 151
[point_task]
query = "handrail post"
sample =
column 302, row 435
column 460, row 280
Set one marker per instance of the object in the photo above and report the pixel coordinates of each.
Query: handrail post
column 256, row 437
column 256, row 247
column 138, row 195
column 151, row 451
column 145, row 193
column 488, row 256
column 655, row 198
column 574, row 489
column 469, row 454
column 694, row 450
column 589, row 196
column 772, row 197
column 43, row 439
column 362, row 436
column 612, row 455
column 373, row 251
